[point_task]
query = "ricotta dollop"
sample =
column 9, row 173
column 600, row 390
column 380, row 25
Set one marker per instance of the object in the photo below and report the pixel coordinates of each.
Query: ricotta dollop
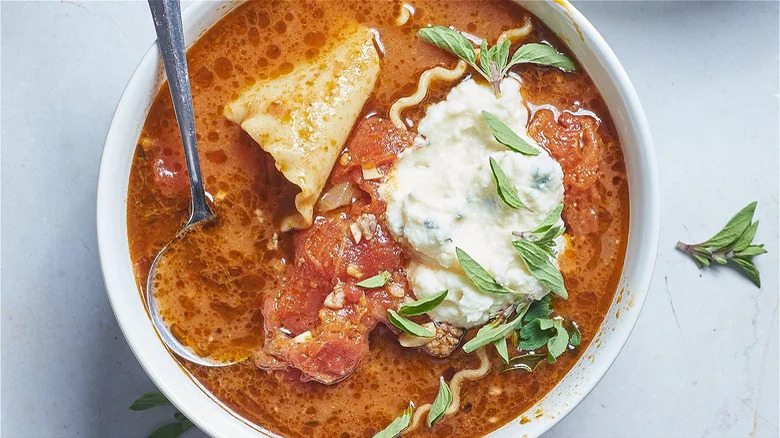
column 441, row 195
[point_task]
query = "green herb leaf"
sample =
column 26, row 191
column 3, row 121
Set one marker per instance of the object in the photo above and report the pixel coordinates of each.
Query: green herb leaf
column 422, row 306
column 533, row 336
column 504, row 135
column 551, row 219
column 541, row 267
column 479, row 276
column 558, row 343
column 170, row 430
column 501, row 56
column 451, row 41
column 751, row 250
column 749, row 269
column 408, row 327
column 541, row 54
column 575, row 337
column 440, row 405
column 376, row 281
column 746, row 237
column 735, row 227
column 398, row 425
column 539, row 309
column 150, row 400
column 485, row 56
column 490, row 333
column 502, row 350
column 525, row 362
column 506, row 191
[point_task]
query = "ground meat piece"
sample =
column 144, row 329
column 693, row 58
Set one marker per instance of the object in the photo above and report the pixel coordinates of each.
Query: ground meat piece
column 446, row 340
column 367, row 225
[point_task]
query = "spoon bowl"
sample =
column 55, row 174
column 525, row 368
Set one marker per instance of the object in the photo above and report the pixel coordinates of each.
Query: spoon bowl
column 170, row 38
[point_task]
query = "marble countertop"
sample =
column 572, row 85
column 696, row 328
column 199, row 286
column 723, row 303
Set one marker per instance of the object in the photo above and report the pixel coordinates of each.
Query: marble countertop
column 702, row 361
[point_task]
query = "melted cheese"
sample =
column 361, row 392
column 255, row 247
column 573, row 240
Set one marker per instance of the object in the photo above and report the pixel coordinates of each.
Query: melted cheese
column 442, row 195
column 304, row 117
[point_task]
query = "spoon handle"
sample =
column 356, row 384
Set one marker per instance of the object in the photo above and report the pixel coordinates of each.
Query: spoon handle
column 170, row 38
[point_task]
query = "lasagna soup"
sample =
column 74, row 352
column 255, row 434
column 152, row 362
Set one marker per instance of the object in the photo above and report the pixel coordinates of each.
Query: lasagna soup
column 421, row 215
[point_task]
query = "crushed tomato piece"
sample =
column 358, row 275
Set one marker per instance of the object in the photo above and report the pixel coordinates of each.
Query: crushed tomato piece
column 326, row 344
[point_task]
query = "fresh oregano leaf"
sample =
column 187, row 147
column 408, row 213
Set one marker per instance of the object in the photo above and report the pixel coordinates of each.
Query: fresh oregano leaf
column 749, row 269
column 506, row 191
column 558, row 343
column 733, row 243
column 575, row 337
column 451, row 41
column 423, row 306
column 398, row 425
column 746, row 237
column 501, row 57
column 492, row 332
column 541, row 54
column 551, row 219
column 150, row 400
column 485, row 56
column 525, row 362
column 170, row 430
column 479, row 276
column 440, row 404
column 376, row 281
column 539, row 309
column 507, row 137
column 733, row 229
column 541, row 267
column 533, row 336
column 407, row 326
column 752, row 250
column 502, row 350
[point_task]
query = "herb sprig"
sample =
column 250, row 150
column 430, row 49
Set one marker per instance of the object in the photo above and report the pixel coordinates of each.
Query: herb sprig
column 733, row 244
column 494, row 62
column 537, row 249
column 398, row 425
column 171, row 430
column 440, row 404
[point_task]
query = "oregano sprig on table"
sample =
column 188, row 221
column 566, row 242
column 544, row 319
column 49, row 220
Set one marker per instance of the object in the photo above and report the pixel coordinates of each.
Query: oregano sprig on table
column 494, row 62
column 171, row 430
column 733, row 244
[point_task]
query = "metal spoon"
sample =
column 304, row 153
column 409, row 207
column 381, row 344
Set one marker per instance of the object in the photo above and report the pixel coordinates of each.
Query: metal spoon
column 170, row 38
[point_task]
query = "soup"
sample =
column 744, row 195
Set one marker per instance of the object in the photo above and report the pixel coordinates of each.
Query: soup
column 376, row 247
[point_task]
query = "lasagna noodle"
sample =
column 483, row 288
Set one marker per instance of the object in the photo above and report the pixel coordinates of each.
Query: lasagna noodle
column 304, row 117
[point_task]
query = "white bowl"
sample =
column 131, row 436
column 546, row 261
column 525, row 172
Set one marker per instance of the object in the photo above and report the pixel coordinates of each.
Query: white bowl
column 214, row 418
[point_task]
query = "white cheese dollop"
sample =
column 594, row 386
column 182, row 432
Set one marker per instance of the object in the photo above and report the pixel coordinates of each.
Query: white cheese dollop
column 441, row 195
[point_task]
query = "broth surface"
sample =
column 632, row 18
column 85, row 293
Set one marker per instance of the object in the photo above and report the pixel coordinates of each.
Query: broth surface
column 260, row 40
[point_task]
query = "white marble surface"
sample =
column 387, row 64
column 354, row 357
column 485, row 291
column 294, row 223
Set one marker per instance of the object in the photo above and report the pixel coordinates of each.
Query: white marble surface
column 703, row 360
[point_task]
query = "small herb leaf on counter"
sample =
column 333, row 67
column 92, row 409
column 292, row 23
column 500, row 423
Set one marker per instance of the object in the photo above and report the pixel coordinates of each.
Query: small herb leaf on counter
column 172, row 430
column 440, row 404
column 526, row 362
column 733, row 243
column 479, row 276
column 420, row 307
column 376, row 281
column 407, row 326
column 506, row 191
column 506, row 136
column 398, row 425
column 541, row 54
column 150, row 400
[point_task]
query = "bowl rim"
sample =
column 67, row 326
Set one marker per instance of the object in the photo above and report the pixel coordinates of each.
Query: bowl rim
column 233, row 424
